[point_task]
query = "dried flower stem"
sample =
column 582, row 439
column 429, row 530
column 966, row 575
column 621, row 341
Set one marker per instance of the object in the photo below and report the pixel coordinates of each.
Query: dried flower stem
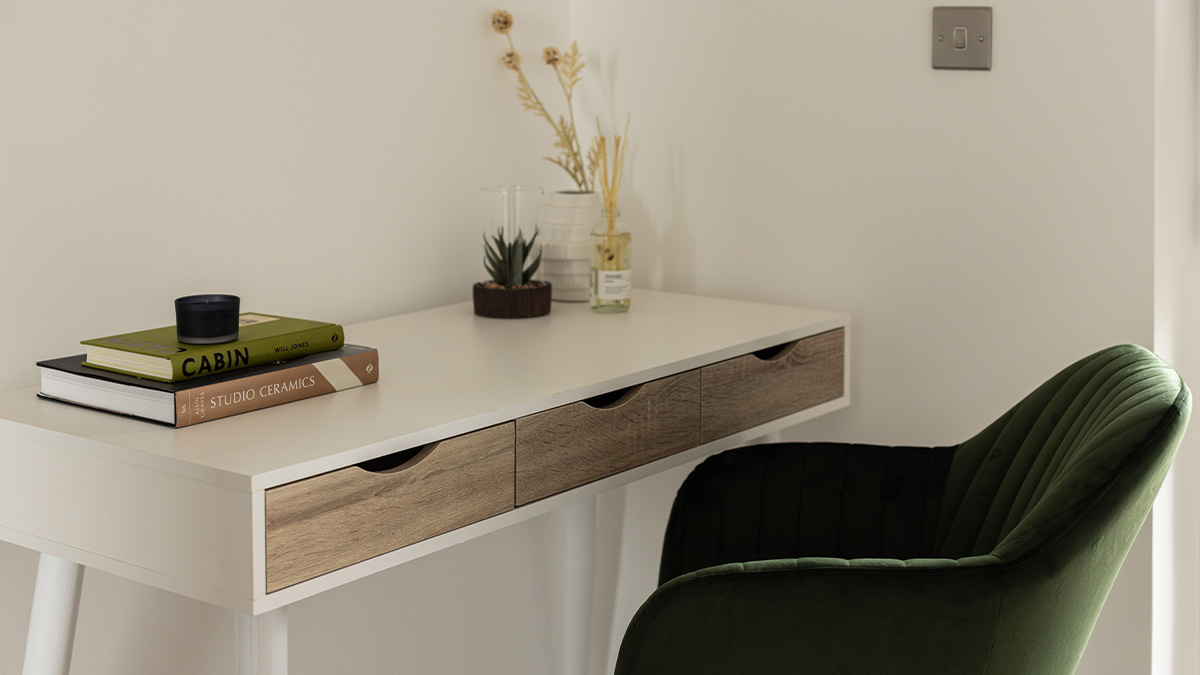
column 567, row 69
column 572, row 64
column 610, row 178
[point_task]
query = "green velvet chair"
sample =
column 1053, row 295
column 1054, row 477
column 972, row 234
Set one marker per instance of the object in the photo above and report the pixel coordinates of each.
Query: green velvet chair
column 990, row 557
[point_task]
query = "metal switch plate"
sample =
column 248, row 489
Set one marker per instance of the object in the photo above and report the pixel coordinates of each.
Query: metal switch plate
column 962, row 38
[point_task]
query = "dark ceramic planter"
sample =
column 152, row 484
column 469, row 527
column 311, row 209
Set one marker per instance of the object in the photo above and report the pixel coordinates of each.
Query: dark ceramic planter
column 512, row 303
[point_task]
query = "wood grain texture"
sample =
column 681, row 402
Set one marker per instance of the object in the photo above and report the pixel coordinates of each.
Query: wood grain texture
column 575, row 444
column 746, row 391
column 327, row 522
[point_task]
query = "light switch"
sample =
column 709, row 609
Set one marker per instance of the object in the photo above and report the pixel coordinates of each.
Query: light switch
column 962, row 38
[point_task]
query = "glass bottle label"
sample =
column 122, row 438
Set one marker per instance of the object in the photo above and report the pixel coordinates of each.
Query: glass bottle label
column 613, row 285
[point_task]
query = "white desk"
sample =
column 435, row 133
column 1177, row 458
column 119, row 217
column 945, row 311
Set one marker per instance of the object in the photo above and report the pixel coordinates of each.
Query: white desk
column 190, row 510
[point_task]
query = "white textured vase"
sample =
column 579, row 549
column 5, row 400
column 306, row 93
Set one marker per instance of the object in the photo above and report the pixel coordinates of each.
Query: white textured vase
column 565, row 222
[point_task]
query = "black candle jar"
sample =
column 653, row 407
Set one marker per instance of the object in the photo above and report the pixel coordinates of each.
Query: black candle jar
column 206, row 319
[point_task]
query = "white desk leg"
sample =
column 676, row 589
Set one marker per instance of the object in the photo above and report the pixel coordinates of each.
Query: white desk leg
column 578, row 569
column 773, row 437
column 262, row 644
column 52, row 620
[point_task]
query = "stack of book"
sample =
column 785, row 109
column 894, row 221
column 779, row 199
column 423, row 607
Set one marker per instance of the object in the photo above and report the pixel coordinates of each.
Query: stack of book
column 152, row 376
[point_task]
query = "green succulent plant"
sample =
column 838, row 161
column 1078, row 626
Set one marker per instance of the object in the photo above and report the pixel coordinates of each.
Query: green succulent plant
column 505, row 260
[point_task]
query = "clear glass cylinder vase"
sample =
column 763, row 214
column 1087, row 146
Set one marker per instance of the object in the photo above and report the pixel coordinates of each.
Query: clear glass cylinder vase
column 612, row 276
column 512, row 219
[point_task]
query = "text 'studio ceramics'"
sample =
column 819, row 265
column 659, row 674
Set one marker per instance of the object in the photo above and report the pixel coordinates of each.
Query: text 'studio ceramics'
column 565, row 222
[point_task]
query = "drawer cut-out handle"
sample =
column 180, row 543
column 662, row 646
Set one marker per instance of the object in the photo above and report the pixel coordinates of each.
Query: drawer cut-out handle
column 777, row 352
column 613, row 399
column 397, row 461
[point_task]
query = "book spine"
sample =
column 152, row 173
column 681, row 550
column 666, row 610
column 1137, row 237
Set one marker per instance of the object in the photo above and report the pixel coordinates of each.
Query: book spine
column 220, row 358
column 232, row 397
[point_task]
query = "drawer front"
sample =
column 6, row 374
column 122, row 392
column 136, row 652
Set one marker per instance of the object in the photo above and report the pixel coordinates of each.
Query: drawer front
column 334, row 520
column 750, row 390
column 581, row 442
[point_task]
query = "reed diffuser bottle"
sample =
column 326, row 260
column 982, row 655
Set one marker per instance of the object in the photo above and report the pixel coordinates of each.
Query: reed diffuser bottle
column 612, row 276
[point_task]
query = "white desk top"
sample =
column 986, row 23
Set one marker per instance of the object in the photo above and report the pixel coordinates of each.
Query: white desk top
column 443, row 372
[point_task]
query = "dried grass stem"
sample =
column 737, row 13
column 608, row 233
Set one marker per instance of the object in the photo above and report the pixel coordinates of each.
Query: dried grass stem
column 610, row 177
column 567, row 69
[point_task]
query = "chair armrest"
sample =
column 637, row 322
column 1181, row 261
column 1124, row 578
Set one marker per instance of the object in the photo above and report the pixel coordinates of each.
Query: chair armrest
column 819, row 616
column 791, row 500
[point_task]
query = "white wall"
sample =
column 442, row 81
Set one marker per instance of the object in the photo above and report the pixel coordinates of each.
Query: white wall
column 320, row 160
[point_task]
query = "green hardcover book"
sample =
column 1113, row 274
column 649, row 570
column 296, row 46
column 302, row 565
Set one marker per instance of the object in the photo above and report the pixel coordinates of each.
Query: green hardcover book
column 262, row 338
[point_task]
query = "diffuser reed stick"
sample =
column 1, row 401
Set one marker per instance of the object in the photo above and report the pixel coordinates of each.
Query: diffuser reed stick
column 610, row 177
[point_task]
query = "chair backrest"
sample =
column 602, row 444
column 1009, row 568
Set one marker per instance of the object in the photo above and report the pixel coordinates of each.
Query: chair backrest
column 1052, row 456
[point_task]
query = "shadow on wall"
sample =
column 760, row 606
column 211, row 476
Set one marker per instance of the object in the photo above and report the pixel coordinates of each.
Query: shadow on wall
column 666, row 257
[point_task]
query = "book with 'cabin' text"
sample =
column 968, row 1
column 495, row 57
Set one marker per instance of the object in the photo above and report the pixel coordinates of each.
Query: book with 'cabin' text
column 156, row 354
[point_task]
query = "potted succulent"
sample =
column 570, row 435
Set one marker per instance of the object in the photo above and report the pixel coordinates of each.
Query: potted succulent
column 512, row 293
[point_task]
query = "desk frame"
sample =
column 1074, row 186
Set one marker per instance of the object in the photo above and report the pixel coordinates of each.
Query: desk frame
column 39, row 439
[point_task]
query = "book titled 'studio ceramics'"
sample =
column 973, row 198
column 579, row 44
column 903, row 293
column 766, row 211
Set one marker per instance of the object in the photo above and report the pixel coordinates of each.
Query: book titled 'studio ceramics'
column 157, row 354
column 203, row 399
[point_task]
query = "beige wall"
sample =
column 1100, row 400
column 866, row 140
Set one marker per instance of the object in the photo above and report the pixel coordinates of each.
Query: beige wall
column 320, row 159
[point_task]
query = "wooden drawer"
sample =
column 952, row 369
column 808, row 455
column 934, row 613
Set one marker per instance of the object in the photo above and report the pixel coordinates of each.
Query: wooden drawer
column 750, row 390
column 581, row 442
column 328, row 522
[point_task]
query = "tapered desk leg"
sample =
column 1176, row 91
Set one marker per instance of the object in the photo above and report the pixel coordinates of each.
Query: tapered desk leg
column 262, row 644
column 578, row 569
column 773, row 437
column 52, row 620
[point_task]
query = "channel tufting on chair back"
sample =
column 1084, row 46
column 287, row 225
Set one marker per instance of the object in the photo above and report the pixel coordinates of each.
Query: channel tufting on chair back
column 1051, row 454
column 991, row 557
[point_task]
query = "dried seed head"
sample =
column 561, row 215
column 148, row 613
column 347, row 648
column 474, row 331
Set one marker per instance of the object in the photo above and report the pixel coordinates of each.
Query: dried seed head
column 511, row 59
column 502, row 21
column 551, row 56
